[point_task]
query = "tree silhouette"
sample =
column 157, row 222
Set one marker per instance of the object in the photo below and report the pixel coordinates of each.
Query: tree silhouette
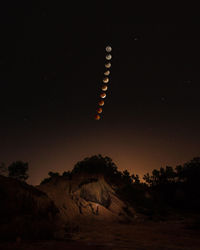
column 3, row 169
column 170, row 174
column 160, row 177
column 18, row 170
column 96, row 164
column 189, row 172
column 53, row 174
column 147, row 179
column 126, row 177
column 179, row 187
column 135, row 178
column 67, row 174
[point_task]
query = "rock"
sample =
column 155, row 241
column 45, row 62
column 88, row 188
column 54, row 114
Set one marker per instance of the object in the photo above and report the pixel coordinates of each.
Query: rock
column 86, row 196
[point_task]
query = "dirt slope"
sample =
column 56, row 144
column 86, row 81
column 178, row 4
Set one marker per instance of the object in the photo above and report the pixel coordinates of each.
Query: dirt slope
column 87, row 197
column 24, row 210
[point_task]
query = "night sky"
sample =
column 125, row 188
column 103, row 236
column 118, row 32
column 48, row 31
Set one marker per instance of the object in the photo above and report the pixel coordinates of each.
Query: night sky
column 51, row 69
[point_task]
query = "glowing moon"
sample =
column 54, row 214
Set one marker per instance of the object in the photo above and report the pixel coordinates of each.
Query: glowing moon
column 104, row 87
column 99, row 110
column 103, row 95
column 105, row 79
column 97, row 117
column 108, row 65
column 107, row 73
column 108, row 49
column 108, row 57
column 101, row 103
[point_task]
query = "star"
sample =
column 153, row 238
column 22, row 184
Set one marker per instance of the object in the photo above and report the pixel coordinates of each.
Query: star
column 163, row 99
column 188, row 82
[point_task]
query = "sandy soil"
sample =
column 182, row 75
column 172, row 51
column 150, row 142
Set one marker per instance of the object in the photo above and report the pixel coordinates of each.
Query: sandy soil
column 149, row 235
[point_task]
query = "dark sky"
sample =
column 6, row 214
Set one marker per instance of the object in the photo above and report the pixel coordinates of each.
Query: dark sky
column 52, row 63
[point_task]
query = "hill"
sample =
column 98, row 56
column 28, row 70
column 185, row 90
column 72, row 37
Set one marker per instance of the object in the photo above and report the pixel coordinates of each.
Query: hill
column 87, row 196
column 25, row 211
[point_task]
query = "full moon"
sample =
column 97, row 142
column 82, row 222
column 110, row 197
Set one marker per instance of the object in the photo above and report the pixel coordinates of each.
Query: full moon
column 108, row 65
column 108, row 49
column 101, row 103
column 103, row 95
column 108, row 57
column 106, row 80
column 104, row 87
column 107, row 73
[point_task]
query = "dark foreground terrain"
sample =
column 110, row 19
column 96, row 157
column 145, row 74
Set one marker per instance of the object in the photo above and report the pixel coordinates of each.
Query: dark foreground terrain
column 97, row 207
column 146, row 235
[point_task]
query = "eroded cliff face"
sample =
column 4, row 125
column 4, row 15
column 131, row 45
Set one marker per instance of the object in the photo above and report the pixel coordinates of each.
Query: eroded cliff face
column 55, row 207
column 87, row 197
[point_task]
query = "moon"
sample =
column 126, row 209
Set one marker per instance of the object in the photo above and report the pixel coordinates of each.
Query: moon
column 97, row 117
column 101, row 103
column 108, row 49
column 103, row 95
column 104, row 87
column 107, row 73
column 105, row 79
column 108, row 65
column 108, row 57
column 99, row 110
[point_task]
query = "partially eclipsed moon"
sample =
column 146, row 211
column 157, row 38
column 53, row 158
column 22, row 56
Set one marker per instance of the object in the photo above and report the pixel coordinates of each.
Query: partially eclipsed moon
column 97, row 117
column 103, row 95
column 108, row 65
column 99, row 110
column 108, row 49
column 108, row 57
column 101, row 103
column 105, row 79
column 104, row 87
column 107, row 73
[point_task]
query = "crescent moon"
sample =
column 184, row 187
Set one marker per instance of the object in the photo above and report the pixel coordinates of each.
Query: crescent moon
column 108, row 65
column 108, row 57
column 104, row 87
column 107, row 73
column 105, row 79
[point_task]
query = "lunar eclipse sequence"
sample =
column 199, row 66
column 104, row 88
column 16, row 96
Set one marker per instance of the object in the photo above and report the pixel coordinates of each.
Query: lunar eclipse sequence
column 106, row 80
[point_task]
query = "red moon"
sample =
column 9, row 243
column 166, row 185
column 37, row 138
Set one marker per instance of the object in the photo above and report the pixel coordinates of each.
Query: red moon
column 103, row 95
column 99, row 110
column 97, row 117
column 101, row 103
